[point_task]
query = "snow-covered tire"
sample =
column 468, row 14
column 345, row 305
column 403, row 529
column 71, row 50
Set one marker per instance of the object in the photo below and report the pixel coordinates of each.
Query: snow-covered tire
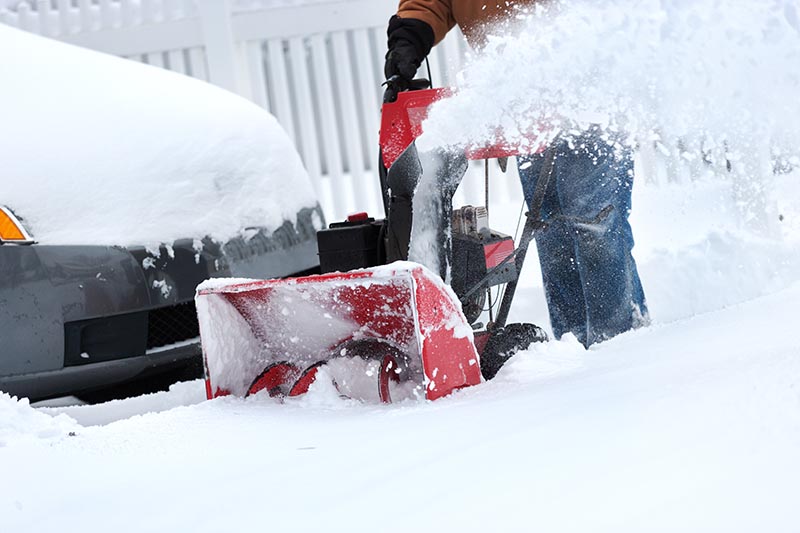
column 276, row 379
column 305, row 380
column 386, row 376
column 393, row 362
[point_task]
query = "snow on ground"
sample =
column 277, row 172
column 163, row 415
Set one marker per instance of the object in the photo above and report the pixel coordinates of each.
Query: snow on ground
column 100, row 150
column 688, row 426
column 692, row 424
column 21, row 424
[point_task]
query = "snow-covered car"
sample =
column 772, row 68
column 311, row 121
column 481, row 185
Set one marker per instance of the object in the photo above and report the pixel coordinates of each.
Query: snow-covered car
column 122, row 187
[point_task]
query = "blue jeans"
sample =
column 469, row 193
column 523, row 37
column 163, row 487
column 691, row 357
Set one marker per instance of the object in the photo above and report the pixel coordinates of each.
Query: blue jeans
column 590, row 279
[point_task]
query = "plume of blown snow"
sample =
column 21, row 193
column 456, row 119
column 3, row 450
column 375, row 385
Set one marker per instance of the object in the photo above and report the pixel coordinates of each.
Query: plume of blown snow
column 718, row 75
column 710, row 68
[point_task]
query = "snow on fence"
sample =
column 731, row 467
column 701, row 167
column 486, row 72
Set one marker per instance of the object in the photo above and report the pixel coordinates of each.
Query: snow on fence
column 317, row 65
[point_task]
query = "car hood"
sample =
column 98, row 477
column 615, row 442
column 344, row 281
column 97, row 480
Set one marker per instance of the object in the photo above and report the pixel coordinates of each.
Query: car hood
column 102, row 150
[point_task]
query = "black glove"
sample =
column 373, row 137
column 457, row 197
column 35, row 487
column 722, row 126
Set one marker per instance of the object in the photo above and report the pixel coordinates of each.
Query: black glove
column 410, row 40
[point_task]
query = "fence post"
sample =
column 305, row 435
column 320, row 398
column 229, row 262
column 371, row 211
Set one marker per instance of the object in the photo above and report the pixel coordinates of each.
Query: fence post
column 217, row 28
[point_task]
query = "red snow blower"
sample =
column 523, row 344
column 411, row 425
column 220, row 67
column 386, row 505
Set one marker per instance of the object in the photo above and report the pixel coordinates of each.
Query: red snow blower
column 373, row 326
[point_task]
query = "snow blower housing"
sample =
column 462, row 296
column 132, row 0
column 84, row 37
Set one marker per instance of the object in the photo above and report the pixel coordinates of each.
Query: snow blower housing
column 399, row 324
column 277, row 334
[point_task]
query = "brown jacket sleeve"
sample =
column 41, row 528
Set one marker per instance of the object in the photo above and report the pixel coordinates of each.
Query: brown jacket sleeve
column 437, row 13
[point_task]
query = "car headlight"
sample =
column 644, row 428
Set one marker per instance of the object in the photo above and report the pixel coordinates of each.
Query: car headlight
column 11, row 229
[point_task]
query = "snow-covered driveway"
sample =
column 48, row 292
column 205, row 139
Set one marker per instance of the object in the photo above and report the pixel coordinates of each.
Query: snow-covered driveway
column 694, row 425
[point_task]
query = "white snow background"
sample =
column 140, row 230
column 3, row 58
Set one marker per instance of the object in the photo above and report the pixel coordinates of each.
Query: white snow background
column 692, row 424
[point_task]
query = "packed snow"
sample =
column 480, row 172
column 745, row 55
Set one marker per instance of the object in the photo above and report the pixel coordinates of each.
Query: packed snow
column 688, row 426
column 100, row 150
column 692, row 424
column 21, row 424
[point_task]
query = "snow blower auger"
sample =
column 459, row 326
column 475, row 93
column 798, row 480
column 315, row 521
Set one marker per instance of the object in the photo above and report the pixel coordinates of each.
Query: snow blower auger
column 398, row 325
column 371, row 330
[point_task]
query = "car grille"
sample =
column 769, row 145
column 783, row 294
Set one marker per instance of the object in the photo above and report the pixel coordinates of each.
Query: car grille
column 173, row 324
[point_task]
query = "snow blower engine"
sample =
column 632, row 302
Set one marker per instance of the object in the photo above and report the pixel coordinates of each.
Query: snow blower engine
column 372, row 325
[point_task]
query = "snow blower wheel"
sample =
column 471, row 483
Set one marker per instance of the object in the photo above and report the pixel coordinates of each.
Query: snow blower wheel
column 389, row 372
column 275, row 379
column 505, row 342
column 392, row 368
column 304, row 382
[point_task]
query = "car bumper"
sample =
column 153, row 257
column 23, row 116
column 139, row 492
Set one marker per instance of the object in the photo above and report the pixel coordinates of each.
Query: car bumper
column 79, row 317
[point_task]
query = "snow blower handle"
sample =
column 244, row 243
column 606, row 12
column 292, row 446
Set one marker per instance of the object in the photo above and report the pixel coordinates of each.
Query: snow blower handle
column 397, row 84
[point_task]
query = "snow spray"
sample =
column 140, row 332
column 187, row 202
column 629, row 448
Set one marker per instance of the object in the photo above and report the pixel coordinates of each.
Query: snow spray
column 701, row 77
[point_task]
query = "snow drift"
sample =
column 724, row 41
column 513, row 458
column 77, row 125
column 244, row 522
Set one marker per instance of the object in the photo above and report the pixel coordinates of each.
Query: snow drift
column 20, row 424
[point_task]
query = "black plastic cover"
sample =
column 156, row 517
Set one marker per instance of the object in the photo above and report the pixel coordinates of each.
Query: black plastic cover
column 350, row 245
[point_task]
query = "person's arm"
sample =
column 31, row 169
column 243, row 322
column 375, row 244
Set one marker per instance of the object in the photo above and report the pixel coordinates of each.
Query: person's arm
column 438, row 14
column 412, row 33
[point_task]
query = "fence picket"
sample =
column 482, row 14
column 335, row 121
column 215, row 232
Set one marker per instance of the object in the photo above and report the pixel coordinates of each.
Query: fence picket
column 160, row 10
column 128, row 14
column 452, row 57
column 27, row 21
column 437, row 61
column 7, row 17
column 189, row 8
column 43, row 12
column 173, row 10
column 85, row 15
column 351, row 135
column 255, row 63
column 378, row 40
column 65, row 17
column 309, row 145
column 222, row 54
column 449, row 59
column 148, row 12
column 327, row 114
column 369, row 89
column 278, row 85
column 156, row 59
column 177, row 63
column 106, row 15
column 197, row 64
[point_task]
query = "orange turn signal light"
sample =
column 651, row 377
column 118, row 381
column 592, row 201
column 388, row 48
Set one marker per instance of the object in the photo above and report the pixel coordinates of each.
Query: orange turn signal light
column 11, row 229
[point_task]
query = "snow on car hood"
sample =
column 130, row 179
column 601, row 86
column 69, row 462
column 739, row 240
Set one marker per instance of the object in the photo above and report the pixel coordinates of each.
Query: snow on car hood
column 100, row 150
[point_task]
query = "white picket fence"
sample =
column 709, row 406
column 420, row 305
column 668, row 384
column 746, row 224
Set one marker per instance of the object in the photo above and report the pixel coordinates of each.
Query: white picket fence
column 317, row 65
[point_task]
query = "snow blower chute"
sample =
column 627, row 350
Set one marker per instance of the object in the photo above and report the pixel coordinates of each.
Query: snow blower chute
column 372, row 330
